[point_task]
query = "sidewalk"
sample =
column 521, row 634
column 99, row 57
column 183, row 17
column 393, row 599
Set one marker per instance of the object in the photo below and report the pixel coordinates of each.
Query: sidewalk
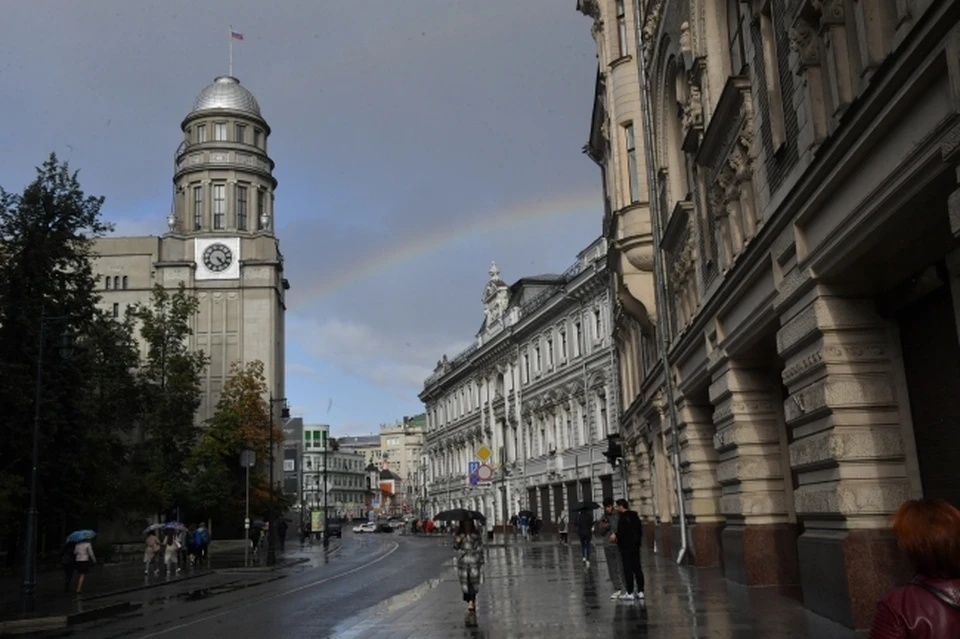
column 109, row 581
column 543, row 590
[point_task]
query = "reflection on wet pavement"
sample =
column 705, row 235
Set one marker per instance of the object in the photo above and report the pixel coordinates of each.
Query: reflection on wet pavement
column 544, row 591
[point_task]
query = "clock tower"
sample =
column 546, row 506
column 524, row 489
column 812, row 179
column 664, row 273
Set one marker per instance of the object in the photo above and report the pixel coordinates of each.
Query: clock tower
column 220, row 241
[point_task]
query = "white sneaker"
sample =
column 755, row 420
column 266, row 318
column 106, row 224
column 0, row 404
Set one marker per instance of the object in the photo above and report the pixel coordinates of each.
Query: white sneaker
column 639, row 595
column 627, row 597
column 583, row 559
column 586, row 563
column 615, row 595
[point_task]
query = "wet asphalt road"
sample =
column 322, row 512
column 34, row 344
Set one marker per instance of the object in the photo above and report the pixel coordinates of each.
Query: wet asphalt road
column 314, row 599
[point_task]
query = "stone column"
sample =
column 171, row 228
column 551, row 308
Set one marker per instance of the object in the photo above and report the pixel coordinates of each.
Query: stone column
column 843, row 368
column 698, row 465
column 759, row 541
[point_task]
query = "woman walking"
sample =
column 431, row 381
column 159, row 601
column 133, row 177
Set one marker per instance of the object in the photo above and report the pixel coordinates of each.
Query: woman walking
column 151, row 548
column 928, row 606
column 170, row 550
column 469, row 544
column 84, row 557
column 584, row 531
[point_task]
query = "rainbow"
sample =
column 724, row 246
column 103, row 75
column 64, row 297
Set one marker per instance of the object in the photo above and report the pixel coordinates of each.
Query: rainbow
column 511, row 217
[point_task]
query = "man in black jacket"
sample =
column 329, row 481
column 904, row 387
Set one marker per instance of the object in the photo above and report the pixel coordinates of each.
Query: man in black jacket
column 628, row 538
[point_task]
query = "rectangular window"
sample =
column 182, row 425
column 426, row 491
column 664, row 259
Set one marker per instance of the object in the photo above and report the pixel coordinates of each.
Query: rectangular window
column 201, row 133
column 550, row 353
column 526, row 363
column 241, row 133
column 197, row 207
column 633, row 176
column 220, row 131
column 737, row 51
column 577, row 340
column 241, row 208
column 537, row 360
column 563, row 345
column 116, row 310
column 771, row 68
column 597, row 324
column 219, row 204
column 621, row 28
column 260, row 205
column 256, row 137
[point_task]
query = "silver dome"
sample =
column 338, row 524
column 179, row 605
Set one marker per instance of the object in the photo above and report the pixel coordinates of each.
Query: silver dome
column 226, row 93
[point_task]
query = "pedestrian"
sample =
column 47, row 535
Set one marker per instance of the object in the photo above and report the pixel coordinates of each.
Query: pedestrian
column 191, row 543
column 628, row 537
column 170, row 551
column 469, row 544
column 201, row 539
column 255, row 539
column 83, row 558
column 182, row 547
column 513, row 523
column 584, row 531
column 282, row 532
column 562, row 528
column 151, row 548
column 68, row 561
column 927, row 606
column 608, row 527
column 524, row 526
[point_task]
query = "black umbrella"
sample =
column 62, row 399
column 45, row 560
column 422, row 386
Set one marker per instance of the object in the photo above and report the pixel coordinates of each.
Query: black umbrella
column 459, row 514
column 525, row 513
column 587, row 505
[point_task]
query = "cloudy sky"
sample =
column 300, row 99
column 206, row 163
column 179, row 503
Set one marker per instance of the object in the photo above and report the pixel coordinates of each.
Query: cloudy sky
column 415, row 141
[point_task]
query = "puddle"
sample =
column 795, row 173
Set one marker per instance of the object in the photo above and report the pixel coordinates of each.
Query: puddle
column 396, row 602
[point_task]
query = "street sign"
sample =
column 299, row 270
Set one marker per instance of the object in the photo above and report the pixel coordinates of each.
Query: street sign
column 484, row 453
column 472, row 469
column 248, row 458
column 485, row 473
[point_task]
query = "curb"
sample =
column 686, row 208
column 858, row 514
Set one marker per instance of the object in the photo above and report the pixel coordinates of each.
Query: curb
column 275, row 567
column 124, row 591
column 23, row 626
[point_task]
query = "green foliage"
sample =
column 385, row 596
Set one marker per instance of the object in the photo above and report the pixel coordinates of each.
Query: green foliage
column 46, row 241
column 170, row 390
column 242, row 422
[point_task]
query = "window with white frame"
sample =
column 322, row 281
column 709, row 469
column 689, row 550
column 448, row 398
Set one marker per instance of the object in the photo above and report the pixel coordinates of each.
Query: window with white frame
column 220, row 131
column 219, row 205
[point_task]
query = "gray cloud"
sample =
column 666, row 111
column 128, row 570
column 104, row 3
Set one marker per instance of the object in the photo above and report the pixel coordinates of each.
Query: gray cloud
column 393, row 122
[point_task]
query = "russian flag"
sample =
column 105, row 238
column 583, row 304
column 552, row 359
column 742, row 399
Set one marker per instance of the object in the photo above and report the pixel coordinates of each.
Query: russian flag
column 236, row 35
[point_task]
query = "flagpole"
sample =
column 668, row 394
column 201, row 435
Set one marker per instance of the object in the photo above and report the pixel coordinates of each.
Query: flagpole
column 231, row 50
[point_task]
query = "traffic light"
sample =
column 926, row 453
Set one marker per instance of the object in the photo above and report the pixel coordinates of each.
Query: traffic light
column 614, row 452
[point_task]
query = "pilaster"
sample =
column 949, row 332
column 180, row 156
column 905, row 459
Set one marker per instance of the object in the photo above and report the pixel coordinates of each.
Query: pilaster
column 702, row 490
column 846, row 421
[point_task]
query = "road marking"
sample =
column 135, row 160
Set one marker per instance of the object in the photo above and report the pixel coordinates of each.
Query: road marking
column 277, row 596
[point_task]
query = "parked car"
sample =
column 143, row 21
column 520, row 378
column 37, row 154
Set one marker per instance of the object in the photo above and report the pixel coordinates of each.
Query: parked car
column 365, row 528
column 334, row 529
column 385, row 528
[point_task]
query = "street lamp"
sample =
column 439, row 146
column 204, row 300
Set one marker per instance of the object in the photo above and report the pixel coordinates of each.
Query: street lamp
column 272, row 531
column 65, row 348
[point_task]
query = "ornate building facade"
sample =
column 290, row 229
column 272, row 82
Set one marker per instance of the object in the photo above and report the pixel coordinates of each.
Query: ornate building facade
column 537, row 390
column 805, row 159
column 220, row 242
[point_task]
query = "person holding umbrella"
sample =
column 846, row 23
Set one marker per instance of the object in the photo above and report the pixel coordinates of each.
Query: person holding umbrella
column 468, row 543
column 68, row 554
column 83, row 555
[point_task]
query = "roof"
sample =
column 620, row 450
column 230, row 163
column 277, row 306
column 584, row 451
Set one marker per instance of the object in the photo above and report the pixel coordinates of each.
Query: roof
column 226, row 93
column 388, row 474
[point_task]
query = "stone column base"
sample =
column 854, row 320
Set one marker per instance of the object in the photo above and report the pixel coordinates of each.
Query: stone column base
column 649, row 536
column 705, row 547
column 665, row 539
column 762, row 555
column 845, row 573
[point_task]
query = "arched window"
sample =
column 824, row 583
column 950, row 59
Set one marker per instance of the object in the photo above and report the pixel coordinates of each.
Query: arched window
column 676, row 98
column 735, row 39
column 106, row 282
column 116, row 282
column 124, row 282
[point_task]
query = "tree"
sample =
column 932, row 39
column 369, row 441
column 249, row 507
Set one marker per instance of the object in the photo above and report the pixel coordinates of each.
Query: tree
column 241, row 422
column 47, row 234
column 171, row 392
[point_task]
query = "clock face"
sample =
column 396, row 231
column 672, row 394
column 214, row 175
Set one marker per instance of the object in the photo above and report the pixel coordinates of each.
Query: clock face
column 217, row 257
